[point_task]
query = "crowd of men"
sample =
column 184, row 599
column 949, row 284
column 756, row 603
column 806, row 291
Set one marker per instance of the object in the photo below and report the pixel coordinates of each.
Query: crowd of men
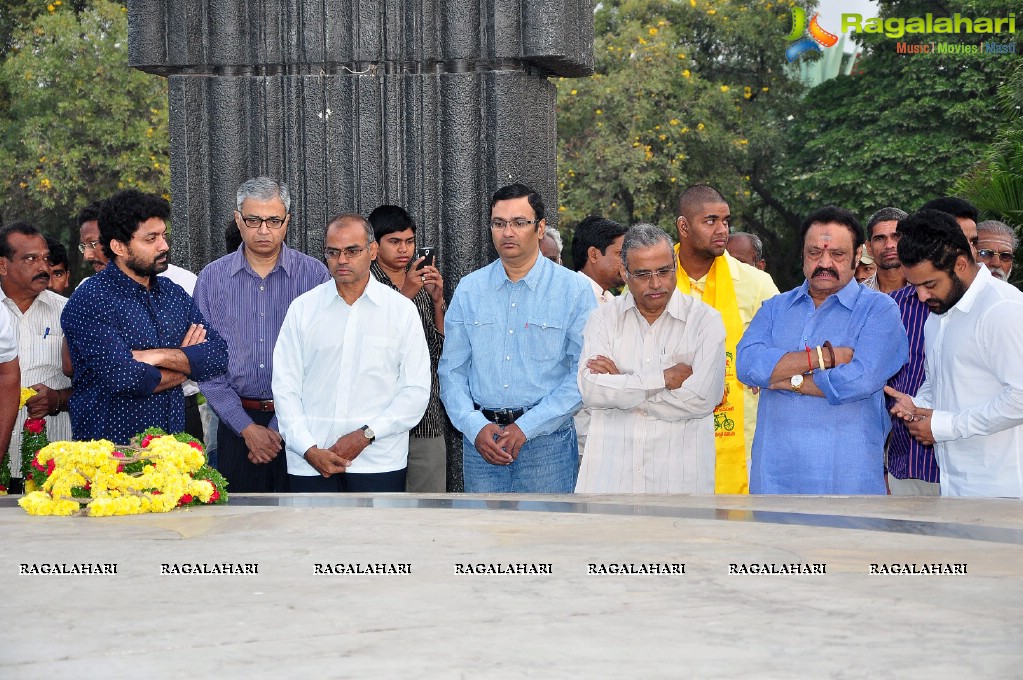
column 893, row 368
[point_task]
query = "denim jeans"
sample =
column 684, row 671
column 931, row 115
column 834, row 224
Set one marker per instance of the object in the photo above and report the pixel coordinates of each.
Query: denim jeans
column 546, row 464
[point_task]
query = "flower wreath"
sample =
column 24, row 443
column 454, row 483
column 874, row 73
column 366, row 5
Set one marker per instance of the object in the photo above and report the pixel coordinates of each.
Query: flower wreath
column 157, row 472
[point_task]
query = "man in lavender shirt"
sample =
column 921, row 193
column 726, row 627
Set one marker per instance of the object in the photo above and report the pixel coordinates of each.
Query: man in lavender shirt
column 245, row 295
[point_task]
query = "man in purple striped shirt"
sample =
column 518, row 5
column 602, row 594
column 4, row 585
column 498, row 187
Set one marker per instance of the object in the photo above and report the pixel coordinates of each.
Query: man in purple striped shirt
column 244, row 296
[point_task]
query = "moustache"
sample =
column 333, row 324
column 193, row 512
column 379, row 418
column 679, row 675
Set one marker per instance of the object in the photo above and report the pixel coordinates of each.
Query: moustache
column 824, row 270
column 41, row 277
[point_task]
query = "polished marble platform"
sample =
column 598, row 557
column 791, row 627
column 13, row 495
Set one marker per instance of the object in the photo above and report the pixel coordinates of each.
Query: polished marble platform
column 299, row 616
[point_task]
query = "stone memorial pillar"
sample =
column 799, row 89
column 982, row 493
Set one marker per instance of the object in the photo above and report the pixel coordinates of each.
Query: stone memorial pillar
column 431, row 105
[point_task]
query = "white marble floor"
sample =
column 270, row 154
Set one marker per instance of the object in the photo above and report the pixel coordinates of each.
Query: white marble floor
column 287, row 620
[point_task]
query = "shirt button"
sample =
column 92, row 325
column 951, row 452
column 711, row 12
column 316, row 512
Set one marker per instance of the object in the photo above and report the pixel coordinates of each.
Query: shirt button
column 262, row 288
column 507, row 358
column 262, row 366
column 510, row 331
column 648, row 361
column 505, row 387
column 514, row 304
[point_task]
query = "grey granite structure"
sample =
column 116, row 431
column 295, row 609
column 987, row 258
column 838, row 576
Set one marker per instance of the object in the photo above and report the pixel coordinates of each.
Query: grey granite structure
column 431, row 105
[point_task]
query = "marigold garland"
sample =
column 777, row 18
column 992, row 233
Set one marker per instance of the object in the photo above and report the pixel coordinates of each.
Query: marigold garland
column 157, row 473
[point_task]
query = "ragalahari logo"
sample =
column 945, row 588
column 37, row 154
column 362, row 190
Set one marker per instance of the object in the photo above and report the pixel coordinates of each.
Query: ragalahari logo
column 814, row 35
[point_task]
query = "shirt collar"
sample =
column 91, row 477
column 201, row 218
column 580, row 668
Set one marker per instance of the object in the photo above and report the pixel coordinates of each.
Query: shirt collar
column 499, row 276
column 982, row 280
column 285, row 261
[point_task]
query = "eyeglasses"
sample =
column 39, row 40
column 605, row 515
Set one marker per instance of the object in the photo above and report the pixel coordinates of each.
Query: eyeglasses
column 91, row 245
column 254, row 222
column 350, row 253
column 988, row 254
column 648, row 276
column 520, row 223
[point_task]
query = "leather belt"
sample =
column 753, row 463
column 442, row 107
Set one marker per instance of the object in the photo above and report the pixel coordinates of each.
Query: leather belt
column 502, row 416
column 265, row 405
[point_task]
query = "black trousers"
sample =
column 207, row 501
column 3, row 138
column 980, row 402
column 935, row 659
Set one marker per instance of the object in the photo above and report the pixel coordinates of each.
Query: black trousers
column 347, row 482
column 193, row 421
column 243, row 475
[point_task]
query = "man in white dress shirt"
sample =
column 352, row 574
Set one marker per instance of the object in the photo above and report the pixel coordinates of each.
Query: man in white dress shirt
column 652, row 373
column 970, row 405
column 34, row 311
column 351, row 373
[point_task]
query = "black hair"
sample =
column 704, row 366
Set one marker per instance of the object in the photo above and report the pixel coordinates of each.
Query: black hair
column 593, row 231
column 58, row 253
column 121, row 214
column 390, row 219
column 831, row 214
column 518, row 191
column 954, row 206
column 19, row 227
column 932, row 235
column 696, row 196
column 232, row 236
column 89, row 213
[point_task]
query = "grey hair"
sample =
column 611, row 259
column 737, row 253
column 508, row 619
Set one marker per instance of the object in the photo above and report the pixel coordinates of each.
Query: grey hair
column 355, row 218
column 754, row 241
column 556, row 237
column 884, row 215
column 996, row 227
column 264, row 189
column 642, row 235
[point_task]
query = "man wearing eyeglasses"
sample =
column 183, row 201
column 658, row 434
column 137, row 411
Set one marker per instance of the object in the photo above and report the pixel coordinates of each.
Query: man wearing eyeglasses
column 351, row 373
column 996, row 247
column 513, row 337
column 709, row 273
column 653, row 371
column 134, row 336
column 245, row 295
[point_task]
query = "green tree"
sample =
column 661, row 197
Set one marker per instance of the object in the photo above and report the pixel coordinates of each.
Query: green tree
column 683, row 93
column 78, row 123
column 901, row 128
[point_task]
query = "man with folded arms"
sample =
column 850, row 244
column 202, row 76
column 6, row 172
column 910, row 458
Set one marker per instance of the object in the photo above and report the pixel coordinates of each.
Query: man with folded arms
column 821, row 354
column 245, row 295
column 653, row 370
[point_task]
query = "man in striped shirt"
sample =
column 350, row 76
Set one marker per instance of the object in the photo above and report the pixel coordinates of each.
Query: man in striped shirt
column 244, row 296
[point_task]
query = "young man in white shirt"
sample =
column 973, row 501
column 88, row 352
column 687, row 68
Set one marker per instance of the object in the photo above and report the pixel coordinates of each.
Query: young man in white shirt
column 970, row 406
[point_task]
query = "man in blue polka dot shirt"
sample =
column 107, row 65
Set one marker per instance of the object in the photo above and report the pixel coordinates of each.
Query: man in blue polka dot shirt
column 135, row 337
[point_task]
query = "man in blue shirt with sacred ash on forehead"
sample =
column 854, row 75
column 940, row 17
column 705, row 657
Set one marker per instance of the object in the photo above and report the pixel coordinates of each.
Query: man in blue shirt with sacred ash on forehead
column 513, row 336
column 821, row 354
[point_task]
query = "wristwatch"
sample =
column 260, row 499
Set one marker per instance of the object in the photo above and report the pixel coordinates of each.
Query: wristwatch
column 796, row 383
column 370, row 435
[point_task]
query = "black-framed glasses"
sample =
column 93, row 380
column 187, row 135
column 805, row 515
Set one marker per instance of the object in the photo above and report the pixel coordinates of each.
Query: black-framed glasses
column 499, row 224
column 90, row 245
column 988, row 254
column 350, row 253
column 255, row 222
column 647, row 276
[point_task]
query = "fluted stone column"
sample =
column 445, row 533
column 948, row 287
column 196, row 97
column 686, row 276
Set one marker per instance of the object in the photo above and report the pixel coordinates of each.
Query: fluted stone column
column 431, row 105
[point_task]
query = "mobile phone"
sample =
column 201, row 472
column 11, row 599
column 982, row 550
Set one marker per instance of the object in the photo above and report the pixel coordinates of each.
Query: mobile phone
column 427, row 253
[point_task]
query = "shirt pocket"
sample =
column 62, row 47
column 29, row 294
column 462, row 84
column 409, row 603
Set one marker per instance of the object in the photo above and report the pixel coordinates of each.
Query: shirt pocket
column 482, row 333
column 545, row 339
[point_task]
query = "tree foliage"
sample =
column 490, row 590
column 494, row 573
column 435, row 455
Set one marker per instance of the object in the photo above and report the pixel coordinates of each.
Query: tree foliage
column 78, row 123
column 684, row 93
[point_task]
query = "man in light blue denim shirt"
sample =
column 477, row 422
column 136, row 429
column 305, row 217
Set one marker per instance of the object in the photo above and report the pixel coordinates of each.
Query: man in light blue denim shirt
column 513, row 336
column 821, row 354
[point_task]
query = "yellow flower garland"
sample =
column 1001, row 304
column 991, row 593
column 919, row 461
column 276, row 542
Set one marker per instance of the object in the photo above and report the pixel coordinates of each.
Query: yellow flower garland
column 158, row 488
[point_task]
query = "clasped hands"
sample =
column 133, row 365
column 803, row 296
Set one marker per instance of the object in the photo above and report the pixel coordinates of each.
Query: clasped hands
column 918, row 420
column 339, row 457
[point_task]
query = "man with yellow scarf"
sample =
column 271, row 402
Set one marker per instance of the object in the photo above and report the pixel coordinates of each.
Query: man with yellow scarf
column 736, row 290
